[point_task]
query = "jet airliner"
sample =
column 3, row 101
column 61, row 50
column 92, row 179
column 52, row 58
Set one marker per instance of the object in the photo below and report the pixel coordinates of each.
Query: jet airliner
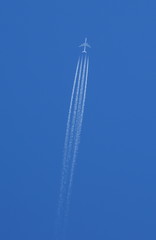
column 85, row 45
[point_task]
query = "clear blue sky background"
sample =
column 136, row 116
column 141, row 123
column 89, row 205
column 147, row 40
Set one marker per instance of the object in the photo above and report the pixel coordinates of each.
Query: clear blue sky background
column 114, row 195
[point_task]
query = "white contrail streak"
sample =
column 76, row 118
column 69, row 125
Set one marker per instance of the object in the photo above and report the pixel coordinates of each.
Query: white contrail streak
column 71, row 135
column 71, row 144
column 65, row 163
column 78, row 132
column 72, row 130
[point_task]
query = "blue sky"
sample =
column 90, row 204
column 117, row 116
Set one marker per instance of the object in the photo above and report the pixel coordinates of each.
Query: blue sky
column 114, row 186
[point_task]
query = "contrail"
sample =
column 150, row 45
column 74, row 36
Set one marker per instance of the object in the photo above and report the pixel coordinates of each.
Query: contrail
column 71, row 135
column 65, row 163
column 80, row 113
column 73, row 132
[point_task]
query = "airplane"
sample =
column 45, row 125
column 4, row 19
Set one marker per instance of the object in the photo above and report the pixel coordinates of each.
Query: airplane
column 85, row 44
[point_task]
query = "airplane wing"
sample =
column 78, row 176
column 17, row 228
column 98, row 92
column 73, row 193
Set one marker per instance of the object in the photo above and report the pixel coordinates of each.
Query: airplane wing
column 82, row 45
column 88, row 45
column 85, row 44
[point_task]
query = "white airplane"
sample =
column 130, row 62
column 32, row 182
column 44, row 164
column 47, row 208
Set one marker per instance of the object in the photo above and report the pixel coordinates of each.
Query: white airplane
column 85, row 44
